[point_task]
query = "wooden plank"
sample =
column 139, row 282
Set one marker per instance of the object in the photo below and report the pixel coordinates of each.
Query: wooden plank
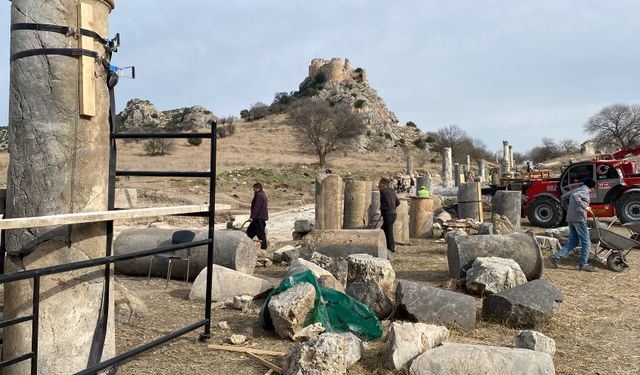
column 269, row 372
column 265, row 363
column 87, row 64
column 93, row 217
column 240, row 349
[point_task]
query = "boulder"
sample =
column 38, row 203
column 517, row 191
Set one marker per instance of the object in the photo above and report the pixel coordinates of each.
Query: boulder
column 423, row 303
column 303, row 226
column 232, row 249
column 463, row 359
column 442, row 217
column 338, row 267
column 327, row 354
column 325, row 278
column 406, row 341
column 127, row 306
column 344, row 242
column 289, row 309
column 371, row 281
column 485, row 228
column 286, row 254
column 492, row 275
column 502, row 224
column 534, row 340
column 526, row 306
column 562, row 234
column 227, row 284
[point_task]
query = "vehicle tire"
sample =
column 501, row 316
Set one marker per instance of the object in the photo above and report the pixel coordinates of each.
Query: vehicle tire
column 616, row 263
column 628, row 207
column 545, row 212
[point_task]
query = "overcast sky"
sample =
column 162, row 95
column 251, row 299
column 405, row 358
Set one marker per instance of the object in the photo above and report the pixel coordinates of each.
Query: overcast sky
column 500, row 69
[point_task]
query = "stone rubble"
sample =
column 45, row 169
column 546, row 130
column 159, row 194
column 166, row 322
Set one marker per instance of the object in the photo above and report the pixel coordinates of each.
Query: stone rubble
column 406, row 341
column 371, row 281
column 492, row 275
column 289, row 309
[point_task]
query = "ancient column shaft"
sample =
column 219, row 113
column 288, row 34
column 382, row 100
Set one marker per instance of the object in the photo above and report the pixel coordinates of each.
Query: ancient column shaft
column 409, row 164
column 505, row 156
column 470, row 201
column 329, row 202
column 59, row 163
column 421, row 218
column 447, row 168
column 357, row 201
column 401, row 226
column 509, row 204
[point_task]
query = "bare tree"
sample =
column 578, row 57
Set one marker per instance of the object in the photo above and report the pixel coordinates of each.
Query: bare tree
column 617, row 124
column 569, row 146
column 324, row 129
column 454, row 137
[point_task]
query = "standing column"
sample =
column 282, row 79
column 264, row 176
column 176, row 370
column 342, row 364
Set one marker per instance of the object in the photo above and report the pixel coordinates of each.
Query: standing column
column 505, row 156
column 459, row 173
column 421, row 218
column 401, row 226
column 468, row 163
column 447, row 168
column 470, row 201
column 329, row 199
column 512, row 163
column 509, row 204
column 409, row 164
column 59, row 163
column 357, row 200
column 375, row 219
column 482, row 170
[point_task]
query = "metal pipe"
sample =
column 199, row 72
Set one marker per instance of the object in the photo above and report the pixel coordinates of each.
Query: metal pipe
column 212, row 208
column 159, row 135
column 15, row 360
column 22, row 319
column 34, row 325
column 161, row 174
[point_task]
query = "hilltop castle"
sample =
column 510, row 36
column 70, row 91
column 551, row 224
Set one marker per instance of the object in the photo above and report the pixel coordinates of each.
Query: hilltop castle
column 335, row 71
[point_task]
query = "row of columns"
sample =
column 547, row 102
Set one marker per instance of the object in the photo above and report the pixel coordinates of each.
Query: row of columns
column 454, row 174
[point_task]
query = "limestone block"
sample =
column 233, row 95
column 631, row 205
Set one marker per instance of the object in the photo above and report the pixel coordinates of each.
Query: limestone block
column 406, row 341
column 371, row 281
column 303, row 225
column 502, row 224
column 534, row 340
column 289, row 309
column 327, row 354
column 548, row 245
column 562, row 234
column 342, row 243
column 227, row 284
column 325, row 278
column 286, row 254
column 338, row 267
column 463, row 359
column 427, row 304
column 492, row 275
column 526, row 306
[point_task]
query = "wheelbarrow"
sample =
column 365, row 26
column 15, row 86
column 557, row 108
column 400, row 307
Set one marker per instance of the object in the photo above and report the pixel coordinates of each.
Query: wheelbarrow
column 611, row 247
column 634, row 230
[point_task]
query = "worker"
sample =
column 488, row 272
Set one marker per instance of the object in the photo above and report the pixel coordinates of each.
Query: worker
column 423, row 192
column 388, row 203
column 259, row 215
column 577, row 203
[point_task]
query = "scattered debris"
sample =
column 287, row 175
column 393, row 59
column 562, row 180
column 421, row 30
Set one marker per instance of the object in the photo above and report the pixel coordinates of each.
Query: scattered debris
column 242, row 303
column 406, row 341
column 526, row 306
column 308, row 332
column 534, row 340
column 492, row 275
column 502, row 225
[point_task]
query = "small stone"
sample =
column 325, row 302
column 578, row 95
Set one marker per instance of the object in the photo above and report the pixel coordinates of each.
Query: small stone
column 286, row 254
column 534, row 340
column 485, row 228
column 338, row 267
column 237, row 339
column 242, row 303
column 501, row 224
column 223, row 325
column 548, row 245
column 308, row 332
column 303, row 225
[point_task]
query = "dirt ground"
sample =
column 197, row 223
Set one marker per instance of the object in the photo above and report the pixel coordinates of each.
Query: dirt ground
column 597, row 330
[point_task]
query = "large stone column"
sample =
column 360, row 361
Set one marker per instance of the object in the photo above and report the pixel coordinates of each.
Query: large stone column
column 458, row 174
column 512, row 163
column 357, row 200
column 505, row 156
column 482, row 170
column 375, row 219
column 447, row 168
column 468, row 163
column 329, row 193
column 470, row 201
column 59, row 164
column 421, row 218
column 509, row 204
column 401, row 226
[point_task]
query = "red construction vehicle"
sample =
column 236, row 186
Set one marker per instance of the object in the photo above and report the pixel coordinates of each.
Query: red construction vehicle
column 617, row 191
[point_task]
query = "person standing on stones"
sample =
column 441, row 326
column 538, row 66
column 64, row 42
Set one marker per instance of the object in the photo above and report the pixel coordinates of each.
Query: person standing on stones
column 259, row 215
column 388, row 203
column 577, row 203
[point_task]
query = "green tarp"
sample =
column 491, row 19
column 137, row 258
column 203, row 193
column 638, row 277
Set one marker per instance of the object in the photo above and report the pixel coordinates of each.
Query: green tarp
column 336, row 311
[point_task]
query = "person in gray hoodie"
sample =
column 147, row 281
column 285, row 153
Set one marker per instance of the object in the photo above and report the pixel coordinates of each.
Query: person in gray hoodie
column 577, row 203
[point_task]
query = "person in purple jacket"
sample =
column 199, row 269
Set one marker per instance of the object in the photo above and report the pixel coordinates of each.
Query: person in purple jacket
column 259, row 215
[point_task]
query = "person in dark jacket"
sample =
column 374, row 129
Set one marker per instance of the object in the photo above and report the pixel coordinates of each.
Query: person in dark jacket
column 388, row 203
column 259, row 215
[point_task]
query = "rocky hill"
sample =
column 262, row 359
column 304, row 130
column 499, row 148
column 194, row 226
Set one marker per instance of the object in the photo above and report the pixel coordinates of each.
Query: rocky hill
column 142, row 114
column 4, row 138
column 338, row 82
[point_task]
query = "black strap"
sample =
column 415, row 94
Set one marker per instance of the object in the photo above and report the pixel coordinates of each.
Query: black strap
column 66, row 30
column 73, row 52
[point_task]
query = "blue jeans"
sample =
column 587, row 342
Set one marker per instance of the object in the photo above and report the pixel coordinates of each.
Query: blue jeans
column 577, row 232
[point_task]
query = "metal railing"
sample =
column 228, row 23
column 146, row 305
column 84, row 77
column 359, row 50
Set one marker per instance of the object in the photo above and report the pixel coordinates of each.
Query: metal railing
column 96, row 364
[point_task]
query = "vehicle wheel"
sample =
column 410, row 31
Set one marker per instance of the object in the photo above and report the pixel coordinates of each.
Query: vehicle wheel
column 545, row 212
column 628, row 207
column 616, row 263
